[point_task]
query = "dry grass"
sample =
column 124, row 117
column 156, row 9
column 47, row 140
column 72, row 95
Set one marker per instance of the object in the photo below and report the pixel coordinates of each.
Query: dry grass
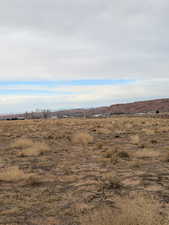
column 163, row 129
column 140, row 210
column 99, row 145
column 82, row 138
column 105, row 131
column 66, row 184
column 129, row 126
column 135, row 139
column 146, row 153
column 110, row 181
column 35, row 150
column 8, row 212
column 13, row 174
column 22, row 143
column 27, row 147
column 148, row 131
column 81, row 207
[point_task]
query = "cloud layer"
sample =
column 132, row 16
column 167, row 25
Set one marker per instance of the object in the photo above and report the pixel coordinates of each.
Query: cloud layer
column 58, row 40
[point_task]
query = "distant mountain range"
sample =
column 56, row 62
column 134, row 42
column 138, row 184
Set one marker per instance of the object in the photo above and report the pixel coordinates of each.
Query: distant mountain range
column 161, row 105
column 143, row 106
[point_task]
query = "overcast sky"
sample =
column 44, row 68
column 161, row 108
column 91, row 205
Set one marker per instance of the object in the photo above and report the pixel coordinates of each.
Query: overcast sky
column 82, row 53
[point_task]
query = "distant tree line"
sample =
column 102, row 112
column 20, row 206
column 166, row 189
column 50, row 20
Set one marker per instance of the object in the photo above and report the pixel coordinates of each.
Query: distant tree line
column 38, row 114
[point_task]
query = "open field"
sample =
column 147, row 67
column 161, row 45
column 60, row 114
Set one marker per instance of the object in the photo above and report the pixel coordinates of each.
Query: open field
column 112, row 171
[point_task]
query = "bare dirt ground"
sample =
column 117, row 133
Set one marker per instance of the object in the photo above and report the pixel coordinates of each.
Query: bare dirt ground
column 71, row 171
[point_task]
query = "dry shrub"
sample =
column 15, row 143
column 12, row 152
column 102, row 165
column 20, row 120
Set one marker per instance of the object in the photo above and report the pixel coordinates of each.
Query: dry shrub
column 116, row 155
column 35, row 150
column 109, row 156
column 135, row 139
column 140, row 210
column 109, row 153
column 104, row 161
column 137, row 164
column 111, row 181
column 113, row 122
column 129, row 126
column 124, row 155
column 148, row 131
column 82, row 138
column 119, row 132
column 109, row 126
column 13, row 174
column 29, row 148
column 153, row 141
column 22, row 143
column 32, row 180
column 99, row 145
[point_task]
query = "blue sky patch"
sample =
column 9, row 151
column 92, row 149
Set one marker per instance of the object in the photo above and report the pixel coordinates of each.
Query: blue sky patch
column 67, row 82
column 43, row 87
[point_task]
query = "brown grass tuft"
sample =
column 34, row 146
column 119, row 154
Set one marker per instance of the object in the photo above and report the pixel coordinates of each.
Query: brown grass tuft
column 82, row 138
column 135, row 139
column 35, row 150
column 13, row 174
column 22, row 143
column 148, row 131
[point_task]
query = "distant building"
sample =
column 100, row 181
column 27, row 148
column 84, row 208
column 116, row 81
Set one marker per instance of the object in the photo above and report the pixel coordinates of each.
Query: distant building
column 98, row 115
column 54, row 117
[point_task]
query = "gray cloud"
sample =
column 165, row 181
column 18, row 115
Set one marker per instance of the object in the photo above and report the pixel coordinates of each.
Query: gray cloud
column 78, row 39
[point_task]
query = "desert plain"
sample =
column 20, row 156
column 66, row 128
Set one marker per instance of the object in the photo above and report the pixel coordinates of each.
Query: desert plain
column 77, row 171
